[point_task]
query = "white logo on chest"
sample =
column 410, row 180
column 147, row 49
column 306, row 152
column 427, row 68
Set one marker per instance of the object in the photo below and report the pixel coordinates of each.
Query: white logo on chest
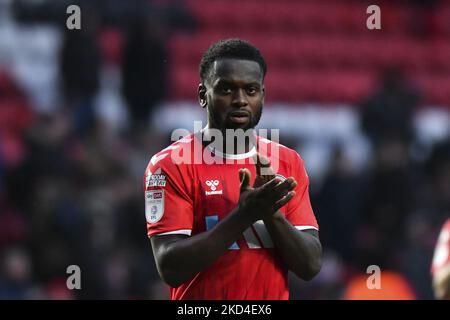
column 212, row 187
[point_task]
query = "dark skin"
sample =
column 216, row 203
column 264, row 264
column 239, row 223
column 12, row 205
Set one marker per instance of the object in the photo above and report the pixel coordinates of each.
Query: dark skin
column 232, row 86
column 238, row 85
column 286, row 237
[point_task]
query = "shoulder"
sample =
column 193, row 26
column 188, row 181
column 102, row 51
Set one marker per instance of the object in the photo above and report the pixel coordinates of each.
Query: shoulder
column 282, row 156
column 167, row 157
column 165, row 163
column 278, row 151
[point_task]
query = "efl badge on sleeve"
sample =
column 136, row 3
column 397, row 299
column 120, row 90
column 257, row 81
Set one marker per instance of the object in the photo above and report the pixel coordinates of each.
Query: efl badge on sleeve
column 154, row 205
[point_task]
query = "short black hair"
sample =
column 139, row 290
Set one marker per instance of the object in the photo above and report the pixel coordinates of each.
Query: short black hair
column 232, row 49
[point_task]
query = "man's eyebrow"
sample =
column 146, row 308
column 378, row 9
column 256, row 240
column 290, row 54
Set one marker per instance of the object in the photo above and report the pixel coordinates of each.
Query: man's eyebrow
column 254, row 84
column 231, row 82
column 224, row 81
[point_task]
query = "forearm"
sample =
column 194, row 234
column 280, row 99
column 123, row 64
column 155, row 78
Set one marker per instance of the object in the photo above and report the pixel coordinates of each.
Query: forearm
column 198, row 252
column 301, row 251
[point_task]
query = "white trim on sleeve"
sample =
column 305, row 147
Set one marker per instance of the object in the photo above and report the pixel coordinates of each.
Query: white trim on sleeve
column 181, row 231
column 305, row 228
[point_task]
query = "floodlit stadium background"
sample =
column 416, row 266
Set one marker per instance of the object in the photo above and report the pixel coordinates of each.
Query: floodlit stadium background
column 82, row 112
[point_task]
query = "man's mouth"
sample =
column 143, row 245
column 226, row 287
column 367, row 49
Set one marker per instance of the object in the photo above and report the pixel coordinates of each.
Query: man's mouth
column 239, row 117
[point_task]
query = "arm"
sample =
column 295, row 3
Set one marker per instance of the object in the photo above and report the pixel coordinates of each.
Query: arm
column 196, row 253
column 307, row 260
column 301, row 250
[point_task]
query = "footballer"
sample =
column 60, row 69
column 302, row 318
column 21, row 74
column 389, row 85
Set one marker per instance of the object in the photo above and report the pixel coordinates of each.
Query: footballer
column 232, row 225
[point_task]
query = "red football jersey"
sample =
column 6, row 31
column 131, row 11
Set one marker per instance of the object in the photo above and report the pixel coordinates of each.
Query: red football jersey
column 190, row 198
column 441, row 257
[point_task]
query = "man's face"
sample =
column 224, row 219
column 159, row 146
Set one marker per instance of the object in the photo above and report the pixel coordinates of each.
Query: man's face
column 233, row 94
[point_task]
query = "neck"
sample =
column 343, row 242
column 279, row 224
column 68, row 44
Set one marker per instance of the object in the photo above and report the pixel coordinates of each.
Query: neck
column 229, row 141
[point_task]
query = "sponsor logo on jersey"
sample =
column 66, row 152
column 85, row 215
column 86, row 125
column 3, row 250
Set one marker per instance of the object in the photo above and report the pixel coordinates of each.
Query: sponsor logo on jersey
column 213, row 186
column 156, row 179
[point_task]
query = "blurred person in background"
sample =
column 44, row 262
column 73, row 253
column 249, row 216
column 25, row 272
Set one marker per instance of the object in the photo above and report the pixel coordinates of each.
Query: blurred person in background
column 145, row 63
column 340, row 202
column 388, row 113
column 436, row 211
column 430, row 210
column 441, row 264
column 386, row 202
column 80, row 70
column 424, row 18
column 144, row 67
column 15, row 275
column 436, row 194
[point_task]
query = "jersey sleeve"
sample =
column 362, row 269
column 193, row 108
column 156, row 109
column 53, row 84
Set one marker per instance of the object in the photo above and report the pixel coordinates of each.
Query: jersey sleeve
column 168, row 204
column 299, row 211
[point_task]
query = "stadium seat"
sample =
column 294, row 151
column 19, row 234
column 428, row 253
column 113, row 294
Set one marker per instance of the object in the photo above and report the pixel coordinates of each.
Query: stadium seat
column 327, row 41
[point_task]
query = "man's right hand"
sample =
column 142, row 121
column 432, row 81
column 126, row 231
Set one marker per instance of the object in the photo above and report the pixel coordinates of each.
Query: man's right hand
column 262, row 202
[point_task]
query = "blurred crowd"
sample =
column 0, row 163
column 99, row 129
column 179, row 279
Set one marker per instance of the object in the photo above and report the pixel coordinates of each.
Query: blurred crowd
column 71, row 169
column 71, row 173
column 390, row 213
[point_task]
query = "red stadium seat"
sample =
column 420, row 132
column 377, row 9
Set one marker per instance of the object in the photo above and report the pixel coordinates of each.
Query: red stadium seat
column 316, row 50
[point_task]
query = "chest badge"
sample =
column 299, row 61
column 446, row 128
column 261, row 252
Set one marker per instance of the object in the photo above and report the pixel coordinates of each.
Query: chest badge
column 213, row 187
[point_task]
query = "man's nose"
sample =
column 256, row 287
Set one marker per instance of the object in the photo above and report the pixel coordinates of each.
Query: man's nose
column 240, row 98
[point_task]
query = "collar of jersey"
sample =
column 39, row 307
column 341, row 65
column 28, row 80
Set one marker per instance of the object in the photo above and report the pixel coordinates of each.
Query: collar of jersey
column 233, row 156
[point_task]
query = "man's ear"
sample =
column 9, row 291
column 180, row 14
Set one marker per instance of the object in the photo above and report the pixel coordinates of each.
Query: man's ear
column 202, row 95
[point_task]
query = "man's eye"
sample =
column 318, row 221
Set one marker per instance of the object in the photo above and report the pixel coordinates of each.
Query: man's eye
column 252, row 91
column 225, row 90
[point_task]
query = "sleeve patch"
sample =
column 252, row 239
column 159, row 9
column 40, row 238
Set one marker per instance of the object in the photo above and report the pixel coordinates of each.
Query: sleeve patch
column 154, row 205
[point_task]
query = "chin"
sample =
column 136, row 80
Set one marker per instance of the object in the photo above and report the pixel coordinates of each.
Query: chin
column 243, row 126
column 235, row 126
